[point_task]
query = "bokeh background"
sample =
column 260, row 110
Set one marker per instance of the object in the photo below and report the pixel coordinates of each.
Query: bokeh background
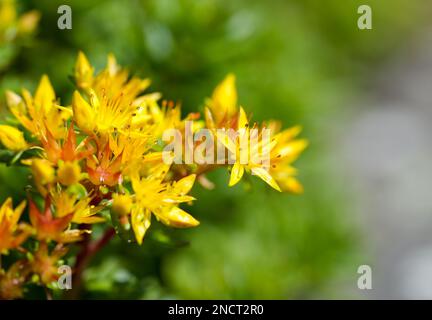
column 363, row 98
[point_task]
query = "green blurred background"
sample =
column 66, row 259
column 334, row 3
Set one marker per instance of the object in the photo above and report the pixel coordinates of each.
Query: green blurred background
column 301, row 61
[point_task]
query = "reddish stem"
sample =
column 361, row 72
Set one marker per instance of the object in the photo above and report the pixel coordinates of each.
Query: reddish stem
column 89, row 249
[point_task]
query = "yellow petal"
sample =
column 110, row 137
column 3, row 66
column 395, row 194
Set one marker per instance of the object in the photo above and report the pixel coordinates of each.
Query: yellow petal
column 83, row 71
column 293, row 149
column 183, row 186
column 12, row 99
column 83, row 113
column 83, row 212
column 34, row 113
column 6, row 209
column 17, row 212
column 210, row 123
column 153, row 157
column 27, row 23
column 176, row 217
column 225, row 97
column 291, row 184
column 237, row 172
column 88, row 220
column 112, row 65
column 178, row 199
column 12, row 138
column 147, row 99
column 141, row 220
column 73, row 235
column 158, row 172
column 45, row 95
column 265, row 176
column 291, row 132
column 242, row 120
column 226, row 140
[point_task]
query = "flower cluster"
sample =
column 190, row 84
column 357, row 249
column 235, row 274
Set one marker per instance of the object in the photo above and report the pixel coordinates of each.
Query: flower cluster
column 100, row 160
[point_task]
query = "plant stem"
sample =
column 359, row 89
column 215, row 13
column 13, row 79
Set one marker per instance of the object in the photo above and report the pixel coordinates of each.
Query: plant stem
column 88, row 250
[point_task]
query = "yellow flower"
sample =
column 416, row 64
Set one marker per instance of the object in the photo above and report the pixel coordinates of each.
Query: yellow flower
column 134, row 150
column 12, row 233
column 113, row 98
column 41, row 112
column 105, row 169
column 154, row 196
column 49, row 227
column 250, row 148
column 222, row 112
column 66, row 203
column 12, row 138
column 242, row 151
column 69, row 173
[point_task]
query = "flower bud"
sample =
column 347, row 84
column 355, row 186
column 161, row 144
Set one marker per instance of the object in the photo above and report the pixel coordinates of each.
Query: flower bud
column 42, row 170
column 12, row 138
column 122, row 204
column 82, row 113
column 69, row 173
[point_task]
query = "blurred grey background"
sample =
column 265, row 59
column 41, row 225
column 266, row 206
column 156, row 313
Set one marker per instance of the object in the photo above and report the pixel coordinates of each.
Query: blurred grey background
column 387, row 147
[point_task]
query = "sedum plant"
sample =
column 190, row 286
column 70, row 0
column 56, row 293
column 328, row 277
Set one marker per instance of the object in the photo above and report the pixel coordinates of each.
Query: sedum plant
column 120, row 157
